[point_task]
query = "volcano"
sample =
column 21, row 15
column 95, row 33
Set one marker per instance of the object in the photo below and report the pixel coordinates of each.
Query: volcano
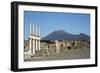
column 63, row 35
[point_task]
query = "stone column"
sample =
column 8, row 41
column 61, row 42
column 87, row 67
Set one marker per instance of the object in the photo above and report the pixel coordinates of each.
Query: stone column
column 33, row 30
column 39, row 44
column 36, row 44
column 30, row 40
column 39, row 38
column 38, row 31
column 33, row 46
column 57, row 47
column 30, row 45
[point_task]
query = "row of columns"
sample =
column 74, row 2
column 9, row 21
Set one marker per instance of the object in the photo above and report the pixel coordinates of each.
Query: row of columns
column 34, row 30
column 34, row 45
column 34, row 39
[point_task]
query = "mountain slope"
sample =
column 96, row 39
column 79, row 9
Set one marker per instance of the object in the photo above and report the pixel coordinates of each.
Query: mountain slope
column 63, row 35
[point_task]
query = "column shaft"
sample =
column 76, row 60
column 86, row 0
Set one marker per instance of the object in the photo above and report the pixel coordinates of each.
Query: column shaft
column 33, row 46
column 30, row 45
column 39, row 44
column 36, row 44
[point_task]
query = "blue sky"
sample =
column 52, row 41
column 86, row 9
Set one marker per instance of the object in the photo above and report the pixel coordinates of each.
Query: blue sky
column 74, row 23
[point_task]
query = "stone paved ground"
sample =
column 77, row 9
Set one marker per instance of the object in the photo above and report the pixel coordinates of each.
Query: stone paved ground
column 66, row 54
